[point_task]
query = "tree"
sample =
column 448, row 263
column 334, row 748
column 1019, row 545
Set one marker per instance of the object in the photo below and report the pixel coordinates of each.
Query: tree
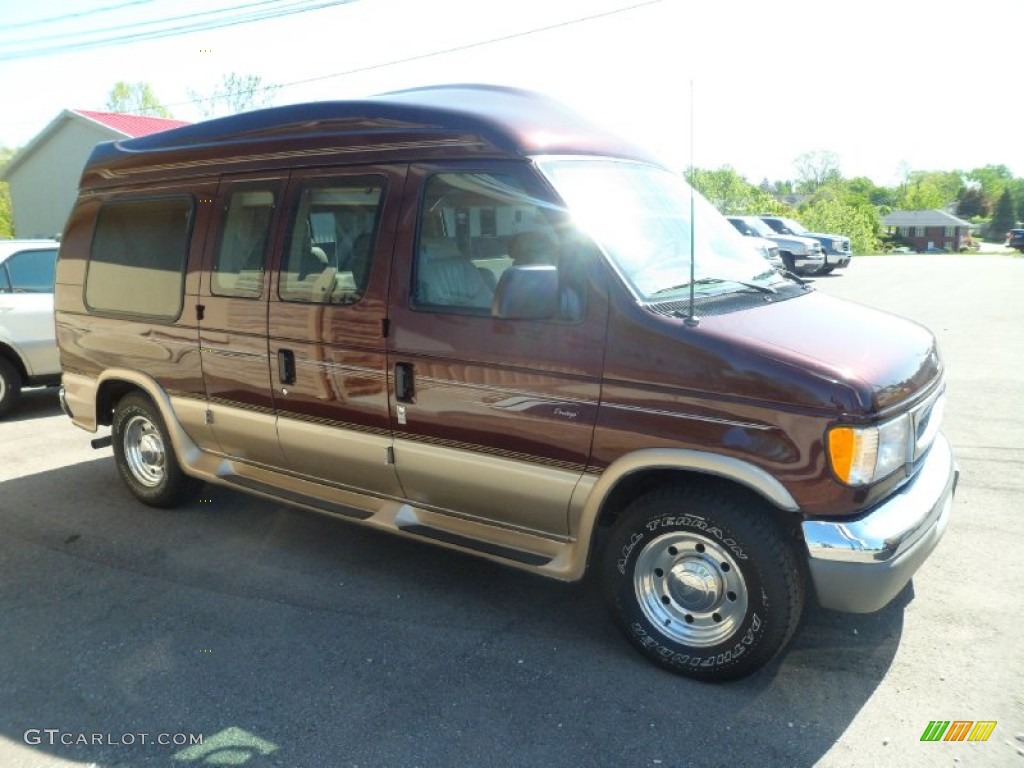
column 863, row 188
column 922, row 194
column 235, row 93
column 972, row 203
column 6, row 215
column 1017, row 187
column 816, row 169
column 833, row 211
column 135, row 99
column 731, row 193
column 1003, row 218
column 992, row 178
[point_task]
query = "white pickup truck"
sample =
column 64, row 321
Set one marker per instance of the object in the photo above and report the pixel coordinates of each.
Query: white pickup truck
column 802, row 255
column 28, row 348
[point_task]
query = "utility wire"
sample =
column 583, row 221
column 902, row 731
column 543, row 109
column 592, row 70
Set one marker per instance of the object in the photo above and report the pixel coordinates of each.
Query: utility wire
column 66, row 16
column 130, row 29
column 443, row 51
column 431, row 54
column 197, row 26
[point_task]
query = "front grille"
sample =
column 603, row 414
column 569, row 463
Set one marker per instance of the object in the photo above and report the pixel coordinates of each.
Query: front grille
column 926, row 420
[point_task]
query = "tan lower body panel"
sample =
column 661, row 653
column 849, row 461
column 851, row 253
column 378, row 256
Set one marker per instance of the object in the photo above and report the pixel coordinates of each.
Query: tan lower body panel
column 558, row 556
column 517, row 493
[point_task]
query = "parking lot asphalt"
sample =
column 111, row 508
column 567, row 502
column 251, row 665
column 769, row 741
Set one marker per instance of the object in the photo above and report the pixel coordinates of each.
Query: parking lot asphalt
column 290, row 639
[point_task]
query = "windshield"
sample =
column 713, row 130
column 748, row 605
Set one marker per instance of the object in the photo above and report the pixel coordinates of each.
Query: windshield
column 795, row 227
column 754, row 224
column 640, row 216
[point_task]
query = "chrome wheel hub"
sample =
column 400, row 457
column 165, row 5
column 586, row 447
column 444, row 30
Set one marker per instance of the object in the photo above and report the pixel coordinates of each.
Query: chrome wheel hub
column 144, row 451
column 691, row 588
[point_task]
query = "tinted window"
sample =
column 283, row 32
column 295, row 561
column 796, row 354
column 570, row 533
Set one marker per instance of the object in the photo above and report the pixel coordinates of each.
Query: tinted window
column 30, row 272
column 330, row 247
column 238, row 266
column 137, row 264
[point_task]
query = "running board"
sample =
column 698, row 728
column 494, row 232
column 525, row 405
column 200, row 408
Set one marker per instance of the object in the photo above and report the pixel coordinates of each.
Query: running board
column 484, row 547
column 293, row 497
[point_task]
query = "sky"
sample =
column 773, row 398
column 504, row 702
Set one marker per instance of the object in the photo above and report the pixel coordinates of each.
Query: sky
column 888, row 86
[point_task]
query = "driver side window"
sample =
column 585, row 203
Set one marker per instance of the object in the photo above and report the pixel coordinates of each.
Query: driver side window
column 475, row 226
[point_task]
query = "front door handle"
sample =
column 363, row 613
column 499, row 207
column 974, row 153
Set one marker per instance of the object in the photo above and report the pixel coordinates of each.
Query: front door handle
column 286, row 366
column 405, row 388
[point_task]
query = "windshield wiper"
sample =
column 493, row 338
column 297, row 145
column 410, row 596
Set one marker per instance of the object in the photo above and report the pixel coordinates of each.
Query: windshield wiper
column 714, row 280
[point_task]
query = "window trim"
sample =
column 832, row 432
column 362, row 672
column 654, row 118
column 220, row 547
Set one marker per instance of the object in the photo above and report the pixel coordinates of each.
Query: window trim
column 189, row 232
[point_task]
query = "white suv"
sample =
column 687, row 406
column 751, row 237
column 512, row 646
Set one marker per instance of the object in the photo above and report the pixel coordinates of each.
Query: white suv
column 28, row 348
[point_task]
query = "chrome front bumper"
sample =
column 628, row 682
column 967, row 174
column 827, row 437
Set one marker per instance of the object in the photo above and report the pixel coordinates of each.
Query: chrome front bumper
column 809, row 262
column 860, row 565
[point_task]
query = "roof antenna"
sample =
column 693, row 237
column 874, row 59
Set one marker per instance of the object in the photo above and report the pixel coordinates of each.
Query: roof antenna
column 691, row 320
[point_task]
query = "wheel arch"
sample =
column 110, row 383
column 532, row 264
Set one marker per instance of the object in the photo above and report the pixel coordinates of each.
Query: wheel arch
column 113, row 384
column 10, row 354
column 641, row 471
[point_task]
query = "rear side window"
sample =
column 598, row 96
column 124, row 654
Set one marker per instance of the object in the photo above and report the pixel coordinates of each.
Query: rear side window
column 238, row 268
column 29, row 272
column 137, row 264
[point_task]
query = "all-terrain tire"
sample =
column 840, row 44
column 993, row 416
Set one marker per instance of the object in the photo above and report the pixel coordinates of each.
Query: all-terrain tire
column 703, row 581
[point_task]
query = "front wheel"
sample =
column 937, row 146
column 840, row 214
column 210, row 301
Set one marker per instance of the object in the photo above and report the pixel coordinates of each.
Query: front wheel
column 703, row 582
column 145, row 456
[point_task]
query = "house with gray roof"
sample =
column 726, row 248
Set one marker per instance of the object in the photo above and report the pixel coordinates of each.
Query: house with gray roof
column 927, row 230
column 44, row 175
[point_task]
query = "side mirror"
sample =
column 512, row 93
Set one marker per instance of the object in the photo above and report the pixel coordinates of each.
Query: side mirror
column 529, row 292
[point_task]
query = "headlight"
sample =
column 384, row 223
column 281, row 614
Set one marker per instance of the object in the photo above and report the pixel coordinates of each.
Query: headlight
column 862, row 455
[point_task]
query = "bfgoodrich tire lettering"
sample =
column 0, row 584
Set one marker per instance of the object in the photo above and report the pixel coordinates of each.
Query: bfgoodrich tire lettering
column 145, row 456
column 703, row 581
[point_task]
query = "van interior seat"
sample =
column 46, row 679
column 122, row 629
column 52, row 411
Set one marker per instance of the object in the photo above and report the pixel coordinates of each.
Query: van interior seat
column 447, row 278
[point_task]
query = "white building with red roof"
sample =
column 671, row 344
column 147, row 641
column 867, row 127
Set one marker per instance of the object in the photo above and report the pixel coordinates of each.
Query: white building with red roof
column 44, row 175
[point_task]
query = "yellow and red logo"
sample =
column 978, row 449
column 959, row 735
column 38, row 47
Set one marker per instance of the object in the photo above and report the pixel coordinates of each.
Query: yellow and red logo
column 958, row 730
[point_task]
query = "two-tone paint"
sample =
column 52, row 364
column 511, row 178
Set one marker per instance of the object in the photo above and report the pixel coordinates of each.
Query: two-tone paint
column 521, row 437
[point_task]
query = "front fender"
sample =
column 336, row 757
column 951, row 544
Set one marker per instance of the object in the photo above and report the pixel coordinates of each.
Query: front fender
column 590, row 498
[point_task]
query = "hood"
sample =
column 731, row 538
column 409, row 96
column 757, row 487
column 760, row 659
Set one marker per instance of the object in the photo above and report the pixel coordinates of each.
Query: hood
column 873, row 359
column 805, row 240
column 825, row 235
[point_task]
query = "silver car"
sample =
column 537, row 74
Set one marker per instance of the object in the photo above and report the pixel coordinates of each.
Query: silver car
column 28, row 347
column 802, row 255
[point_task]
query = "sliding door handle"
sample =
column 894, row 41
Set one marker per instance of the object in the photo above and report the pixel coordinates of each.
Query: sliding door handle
column 405, row 387
column 286, row 366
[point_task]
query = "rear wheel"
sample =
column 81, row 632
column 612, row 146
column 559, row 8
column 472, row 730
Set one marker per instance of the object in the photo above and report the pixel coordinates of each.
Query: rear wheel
column 145, row 456
column 703, row 582
column 10, row 385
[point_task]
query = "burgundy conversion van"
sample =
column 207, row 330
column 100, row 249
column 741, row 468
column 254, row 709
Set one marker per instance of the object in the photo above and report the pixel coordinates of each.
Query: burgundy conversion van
column 463, row 315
